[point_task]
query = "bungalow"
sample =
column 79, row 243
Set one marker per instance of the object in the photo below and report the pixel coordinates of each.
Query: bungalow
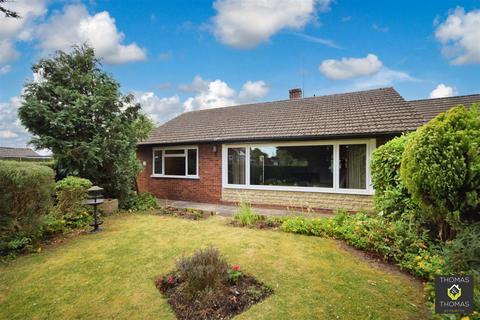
column 310, row 152
column 21, row 154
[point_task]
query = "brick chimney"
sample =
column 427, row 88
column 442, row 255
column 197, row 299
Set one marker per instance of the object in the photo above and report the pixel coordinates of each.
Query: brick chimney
column 295, row 93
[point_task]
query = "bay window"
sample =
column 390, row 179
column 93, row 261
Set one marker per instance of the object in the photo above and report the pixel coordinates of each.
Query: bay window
column 337, row 166
column 175, row 162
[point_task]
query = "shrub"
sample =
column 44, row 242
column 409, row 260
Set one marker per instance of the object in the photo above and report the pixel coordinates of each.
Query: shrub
column 205, row 270
column 143, row 201
column 391, row 198
column 463, row 253
column 26, row 194
column 395, row 241
column 52, row 225
column 245, row 214
column 441, row 168
column 71, row 192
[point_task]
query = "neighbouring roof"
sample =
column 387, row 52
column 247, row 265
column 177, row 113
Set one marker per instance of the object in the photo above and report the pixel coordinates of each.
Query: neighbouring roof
column 372, row 112
column 429, row 108
column 6, row 152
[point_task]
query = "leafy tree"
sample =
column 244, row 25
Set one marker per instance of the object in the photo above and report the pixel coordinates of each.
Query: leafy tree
column 77, row 111
column 441, row 168
column 8, row 13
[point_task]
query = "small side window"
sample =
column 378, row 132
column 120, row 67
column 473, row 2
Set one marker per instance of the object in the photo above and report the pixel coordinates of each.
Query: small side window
column 192, row 162
column 157, row 162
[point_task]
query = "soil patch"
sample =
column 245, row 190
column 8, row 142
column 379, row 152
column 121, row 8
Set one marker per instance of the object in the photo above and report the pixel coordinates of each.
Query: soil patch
column 223, row 302
column 191, row 214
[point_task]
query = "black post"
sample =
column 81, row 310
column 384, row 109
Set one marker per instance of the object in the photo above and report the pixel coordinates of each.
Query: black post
column 95, row 199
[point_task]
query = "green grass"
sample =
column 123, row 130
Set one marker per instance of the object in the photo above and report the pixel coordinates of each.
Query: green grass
column 111, row 274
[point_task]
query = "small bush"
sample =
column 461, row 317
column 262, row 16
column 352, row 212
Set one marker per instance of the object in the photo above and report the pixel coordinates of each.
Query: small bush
column 441, row 168
column 143, row 201
column 71, row 192
column 391, row 198
column 26, row 195
column 52, row 225
column 204, row 271
column 245, row 215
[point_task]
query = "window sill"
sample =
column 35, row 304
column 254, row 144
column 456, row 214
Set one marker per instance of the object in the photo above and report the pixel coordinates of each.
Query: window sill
column 302, row 189
column 174, row 177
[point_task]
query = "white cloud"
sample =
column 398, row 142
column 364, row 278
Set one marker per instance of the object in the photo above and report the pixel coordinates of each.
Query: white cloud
column 159, row 109
column 5, row 69
column 460, row 36
column 217, row 94
column 197, row 85
column 75, row 26
column 380, row 28
column 443, row 91
column 12, row 133
column 7, row 134
column 207, row 95
column 7, row 51
column 247, row 23
column 348, row 68
column 253, row 90
column 384, row 78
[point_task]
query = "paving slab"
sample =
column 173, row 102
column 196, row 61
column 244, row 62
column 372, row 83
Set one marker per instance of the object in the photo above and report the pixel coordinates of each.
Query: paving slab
column 230, row 210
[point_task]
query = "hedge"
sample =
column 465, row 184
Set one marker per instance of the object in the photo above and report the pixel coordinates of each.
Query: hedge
column 26, row 196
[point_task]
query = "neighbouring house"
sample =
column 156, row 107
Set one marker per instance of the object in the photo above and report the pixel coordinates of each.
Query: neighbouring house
column 21, row 154
column 308, row 152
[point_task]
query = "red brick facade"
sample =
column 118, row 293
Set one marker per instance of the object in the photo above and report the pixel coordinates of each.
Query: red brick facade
column 206, row 189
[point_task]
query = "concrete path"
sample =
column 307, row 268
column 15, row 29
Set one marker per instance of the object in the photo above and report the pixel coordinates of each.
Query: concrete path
column 230, row 210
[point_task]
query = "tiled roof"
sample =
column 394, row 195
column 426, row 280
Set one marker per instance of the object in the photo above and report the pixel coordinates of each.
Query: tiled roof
column 429, row 108
column 6, row 152
column 371, row 112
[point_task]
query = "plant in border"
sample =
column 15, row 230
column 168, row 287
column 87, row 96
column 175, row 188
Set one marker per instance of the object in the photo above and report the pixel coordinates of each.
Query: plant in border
column 234, row 273
column 71, row 192
column 245, row 214
column 141, row 202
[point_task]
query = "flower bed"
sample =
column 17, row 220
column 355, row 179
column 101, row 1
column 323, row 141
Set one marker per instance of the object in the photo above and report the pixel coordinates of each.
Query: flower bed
column 192, row 214
column 204, row 287
column 260, row 222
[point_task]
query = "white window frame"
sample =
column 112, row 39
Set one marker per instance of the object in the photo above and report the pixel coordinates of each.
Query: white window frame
column 179, row 155
column 370, row 143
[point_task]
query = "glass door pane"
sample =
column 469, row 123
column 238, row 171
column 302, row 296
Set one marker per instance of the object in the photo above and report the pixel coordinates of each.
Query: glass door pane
column 353, row 166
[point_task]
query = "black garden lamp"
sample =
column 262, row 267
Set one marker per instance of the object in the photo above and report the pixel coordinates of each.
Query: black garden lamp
column 94, row 199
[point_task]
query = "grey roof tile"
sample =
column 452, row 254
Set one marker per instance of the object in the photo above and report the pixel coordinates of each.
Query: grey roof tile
column 429, row 108
column 378, row 111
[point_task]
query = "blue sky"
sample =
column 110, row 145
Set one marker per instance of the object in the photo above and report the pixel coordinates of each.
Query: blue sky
column 177, row 56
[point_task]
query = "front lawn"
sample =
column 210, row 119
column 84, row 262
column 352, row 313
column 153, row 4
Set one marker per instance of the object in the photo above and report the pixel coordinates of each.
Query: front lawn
column 111, row 274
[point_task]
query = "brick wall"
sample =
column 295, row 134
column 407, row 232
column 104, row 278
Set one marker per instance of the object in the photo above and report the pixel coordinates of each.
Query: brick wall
column 315, row 200
column 209, row 187
column 206, row 189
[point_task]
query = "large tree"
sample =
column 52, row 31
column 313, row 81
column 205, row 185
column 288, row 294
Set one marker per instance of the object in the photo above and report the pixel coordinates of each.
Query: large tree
column 77, row 111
